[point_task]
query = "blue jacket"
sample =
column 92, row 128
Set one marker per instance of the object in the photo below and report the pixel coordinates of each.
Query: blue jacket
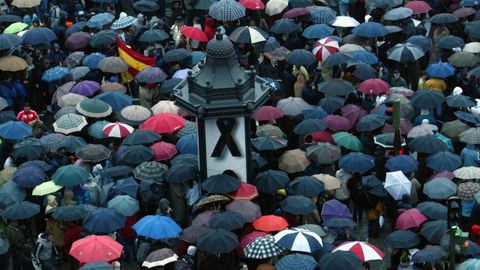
column 469, row 156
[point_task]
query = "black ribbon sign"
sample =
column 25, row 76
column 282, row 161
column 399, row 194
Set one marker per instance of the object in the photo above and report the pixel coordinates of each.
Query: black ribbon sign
column 226, row 126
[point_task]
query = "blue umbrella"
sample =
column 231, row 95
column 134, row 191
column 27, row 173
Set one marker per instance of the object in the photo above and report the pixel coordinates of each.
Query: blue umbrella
column 29, row 177
column 298, row 205
column 126, row 186
column 15, row 130
column 181, row 172
column 324, row 15
column 70, row 175
column 296, row 261
column 440, row 70
column 402, row 239
column 12, row 189
column 101, row 19
column 55, row 74
column 103, row 221
column 427, row 144
column 194, row 58
column 95, row 129
column 76, row 27
column 421, row 41
column 21, row 210
column 6, row 200
column 300, row 57
column 433, row 210
column 52, row 141
column 466, row 116
column 434, row 230
column 309, row 126
column 339, row 260
column 404, row 163
column 228, row 220
column 332, row 103
column 157, row 227
column 284, row 26
column 215, row 242
column 187, row 159
column 370, row 122
column 314, row 113
column 364, row 57
column 444, row 161
column 135, row 154
column 39, row 35
column 72, row 143
column 116, row 100
column 69, row 212
column 124, row 204
column 306, row 185
column 141, row 136
column 31, row 149
column 356, row 162
column 271, row 181
column 188, row 144
column 92, row 60
column 370, row 30
column 97, row 266
column 151, row 75
column 116, row 171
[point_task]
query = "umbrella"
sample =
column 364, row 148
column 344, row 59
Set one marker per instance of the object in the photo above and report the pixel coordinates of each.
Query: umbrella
column 70, row 123
column 70, row 175
column 164, row 123
column 26, row 150
column 470, row 136
column 141, row 137
column 12, row 63
column 46, row 188
column 70, row 100
column 267, row 113
column 69, row 212
column 146, row 6
column 439, row 188
column 450, row 42
column 424, row 129
column 374, row 86
column 151, row 75
column 165, row 106
column 334, row 210
column 433, row 231
column 95, row 129
column 97, row 266
column 270, row 130
column 418, row 7
column 364, row 72
column 124, row 204
column 77, row 73
column 63, row 111
column 216, row 242
column 405, row 52
column 127, row 186
column 336, row 87
column 95, row 248
column 226, row 10
column 150, row 170
column 29, row 177
column 460, row 101
column 270, row 223
column 440, row 70
column 221, row 183
column 100, row 19
column 370, row 122
column 15, row 130
column 160, row 258
column 123, row 22
column 94, row 108
column 298, row 205
column 135, row 154
column 228, row 220
column 356, row 162
column 292, row 106
column 362, row 56
column 79, row 26
column 472, row 47
column 117, row 100
column 249, row 211
column 427, row 144
column 411, row 218
column 428, row 254
column 298, row 240
column 103, row 221
column 250, row 35
column 39, row 35
column 325, row 15
column 463, row 59
column 153, row 35
column 275, row 7
column 353, row 112
column 404, row 163
column 397, row 185
column 54, row 74
column 113, row 65
column 314, row 113
column 300, row 57
column 244, row 192
column 86, row 88
column 92, row 60
column 364, row 251
column 253, row 4
column 336, row 59
column 8, row 41
column 433, row 210
column 163, row 151
column 337, row 122
column 21, row 210
column 421, row 41
column 443, row 18
column 402, row 239
column 453, row 129
column 348, row 141
column 93, row 153
column 194, row 33
column 329, row 182
column 78, row 40
column 262, row 248
column 467, row 191
column 284, row 26
column 323, row 153
column 444, row 161
column 117, row 130
column 293, row 161
column 176, row 55
column 469, row 264
column 345, row 22
column 398, row 14
column 296, row 261
column 309, row 126
column 370, row 30
column 181, row 173
column 135, row 115
column 8, row 18
column 192, row 233
column 11, row 188
column 317, row 31
column 271, row 181
column 340, row 259
column 467, row 117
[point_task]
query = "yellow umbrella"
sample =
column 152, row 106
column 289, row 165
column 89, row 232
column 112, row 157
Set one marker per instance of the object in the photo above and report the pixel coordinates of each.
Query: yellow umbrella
column 330, row 182
column 15, row 28
column 293, row 161
column 12, row 63
column 25, row 3
column 46, row 188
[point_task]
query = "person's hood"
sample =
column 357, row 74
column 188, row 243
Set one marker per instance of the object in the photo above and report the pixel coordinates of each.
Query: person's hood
column 68, row 195
column 457, row 91
column 97, row 169
column 41, row 238
column 209, row 22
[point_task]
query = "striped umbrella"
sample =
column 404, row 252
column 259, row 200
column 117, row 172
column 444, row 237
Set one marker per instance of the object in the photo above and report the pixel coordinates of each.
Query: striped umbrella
column 405, row 52
column 246, row 34
column 324, row 48
column 299, row 240
column 70, row 123
column 364, row 251
column 226, row 10
column 117, row 130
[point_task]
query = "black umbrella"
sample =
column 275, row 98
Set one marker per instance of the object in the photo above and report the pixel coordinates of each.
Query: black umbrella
column 136, row 154
column 10, row 18
column 192, row 233
column 8, row 41
column 300, row 57
column 364, row 72
column 228, row 220
column 460, row 101
column 185, row 159
column 309, row 126
column 336, row 59
column 37, row 163
column 434, row 230
column 433, row 210
column 427, row 99
column 428, row 254
column 102, row 38
column 30, row 149
column 339, row 260
column 421, row 41
column 215, row 242
column 284, row 26
column 336, row 87
column 69, row 212
column 332, row 103
column 221, row 183
column 402, row 239
column 249, row 35
column 373, row 186
column 306, row 185
column 154, row 35
column 267, row 143
column 93, row 153
column 370, row 122
column 181, row 172
column 450, row 42
column 116, row 171
column 443, row 18
column 168, row 85
column 146, row 6
column 427, row 144
column 141, row 136
column 176, row 55
column 21, row 210
column 151, row 191
column 297, row 205
column 271, row 181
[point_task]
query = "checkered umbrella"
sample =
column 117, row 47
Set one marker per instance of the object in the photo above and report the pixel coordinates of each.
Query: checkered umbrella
column 150, row 170
column 262, row 248
column 117, row 130
column 124, row 204
column 324, row 48
column 226, row 10
column 467, row 191
column 440, row 188
column 69, row 123
column 299, row 240
column 469, row 172
column 422, row 130
column 470, row 136
column 324, row 15
column 123, row 22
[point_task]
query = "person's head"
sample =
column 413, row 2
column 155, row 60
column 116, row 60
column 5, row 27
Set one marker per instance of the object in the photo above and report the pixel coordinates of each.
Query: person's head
column 179, row 20
column 396, row 74
column 26, row 107
column 46, row 62
column 176, row 4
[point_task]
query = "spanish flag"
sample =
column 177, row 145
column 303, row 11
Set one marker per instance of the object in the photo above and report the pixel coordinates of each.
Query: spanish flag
column 135, row 60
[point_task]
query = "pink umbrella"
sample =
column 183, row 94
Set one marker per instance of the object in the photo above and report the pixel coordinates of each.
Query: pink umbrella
column 353, row 113
column 203, row 219
column 337, row 122
column 324, row 48
column 163, row 151
column 267, row 113
column 295, row 12
column 249, row 238
column 418, row 7
column 411, row 218
column 405, row 127
column 374, row 86
column 444, row 174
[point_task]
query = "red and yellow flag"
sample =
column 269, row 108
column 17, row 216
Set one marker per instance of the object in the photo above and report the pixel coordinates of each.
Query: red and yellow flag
column 135, row 61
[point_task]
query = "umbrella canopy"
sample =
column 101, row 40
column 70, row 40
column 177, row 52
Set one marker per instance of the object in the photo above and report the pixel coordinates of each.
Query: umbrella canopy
column 46, row 188
column 12, row 63
column 29, row 177
column 153, row 35
column 362, row 56
column 123, row 22
column 74, row 59
column 39, row 35
column 150, row 170
column 300, row 57
column 135, row 154
column 337, row 122
column 284, row 26
column 112, row 64
column 309, row 126
column 443, row 18
column 370, row 122
column 244, row 192
column 439, row 188
column 55, row 74
column 405, row 52
column 472, row 47
column 182, row 172
column 77, row 73
column 364, row 251
column 336, row 59
column 440, row 70
column 298, row 205
column 92, row 60
column 275, row 7
column 8, row 41
column 30, row 149
column 402, row 239
column 403, row 163
column 86, row 88
column 428, row 254
column 418, row 7
column 427, row 144
column 467, row 191
column 95, row 129
column 228, row 220
column 329, row 182
column 345, row 22
column 450, row 42
column 93, row 153
column 249, row 211
column 470, row 136
column 70, row 100
column 469, row 172
column 463, row 59
column 411, row 218
column 298, row 240
column 117, row 100
column 165, row 106
column 356, row 162
column 348, row 141
column 135, row 115
column 296, row 261
column 323, row 153
column 104, row 220
column 253, row 4
column 163, row 151
column 444, row 161
column 460, row 101
column 324, row 48
column 69, row 212
column 117, row 130
column 292, row 106
column 293, row 161
column 221, row 183
column 262, row 248
column 70, row 123
column 157, row 227
column 216, row 242
column 21, row 210
column 94, row 248
column 250, row 35
column 317, row 31
column 336, row 87
column 100, row 19
column 151, row 75
column 267, row 113
column 270, row 223
column 271, row 181
column 374, row 86
column 94, row 108
column 124, row 204
column 15, row 130
column 192, row 233
column 160, row 258
column 433, row 210
column 226, row 10
column 141, row 137
column 433, row 231
column 339, row 260
column 370, row 30
column 164, row 123
column 397, row 184
column 334, row 209
column 398, row 14
column 78, row 40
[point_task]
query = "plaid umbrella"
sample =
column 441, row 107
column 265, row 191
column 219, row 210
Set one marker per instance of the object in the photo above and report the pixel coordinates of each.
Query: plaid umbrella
column 74, row 59
column 70, row 123
column 422, row 130
column 469, row 172
column 262, row 248
column 470, row 136
column 226, row 10
column 323, row 15
column 150, row 170
column 467, row 191
column 124, row 204
column 123, row 22
column 135, row 114
column 440, row 188
column 296, row 261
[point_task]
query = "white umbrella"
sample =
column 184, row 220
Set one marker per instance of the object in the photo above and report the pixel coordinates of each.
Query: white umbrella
column 472, row 47
column 275, row 7
column 292, row 106
column 397, row 184
column 345, row 21
column 165, row 106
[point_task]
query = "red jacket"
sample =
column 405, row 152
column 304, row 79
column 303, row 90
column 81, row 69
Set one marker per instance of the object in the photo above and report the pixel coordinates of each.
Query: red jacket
column 127, row 232
column 71, row 235
column 209, row 28
column 27, row 117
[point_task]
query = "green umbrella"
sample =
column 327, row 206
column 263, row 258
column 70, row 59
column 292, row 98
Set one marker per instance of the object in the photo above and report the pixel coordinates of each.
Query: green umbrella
column 94, row 108
column 70, row 123
column 348, row 141
column 70, row 175
column 15, row 28
column 453, row 129
column 463, row 59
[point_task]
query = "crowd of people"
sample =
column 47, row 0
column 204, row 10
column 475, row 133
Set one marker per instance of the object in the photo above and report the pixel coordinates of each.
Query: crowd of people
column 372, row 115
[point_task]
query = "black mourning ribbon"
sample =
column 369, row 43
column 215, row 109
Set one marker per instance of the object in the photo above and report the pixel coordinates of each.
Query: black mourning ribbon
column 226, row 126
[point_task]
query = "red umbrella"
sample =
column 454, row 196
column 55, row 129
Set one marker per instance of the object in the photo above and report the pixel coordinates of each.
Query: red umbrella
column 244, row 192
column 252, row 4
column 194, row 33
column 405, row 127
column 353, row 113
column 337, row 122
column 95, row 248
column 295, row 12
column 249, row 238
column 163, row 151
column 411, row 218
column 267, row 113
column 164, row 123
column 270, row 223
column 374, row 86
column 324, row 48
column 323, row 136
column 418, row 7
column 117, row 130
column 364, row 251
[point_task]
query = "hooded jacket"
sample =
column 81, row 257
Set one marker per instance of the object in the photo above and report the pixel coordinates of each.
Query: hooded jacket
column 209, row 28
column 44, row 248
